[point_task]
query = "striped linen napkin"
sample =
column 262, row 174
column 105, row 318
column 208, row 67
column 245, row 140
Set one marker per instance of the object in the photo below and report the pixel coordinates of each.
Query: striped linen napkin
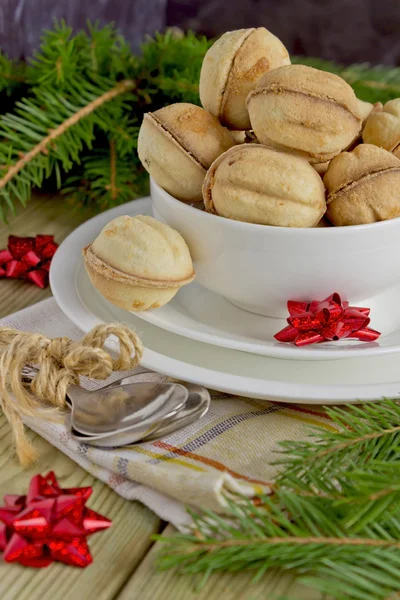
column 229, row 451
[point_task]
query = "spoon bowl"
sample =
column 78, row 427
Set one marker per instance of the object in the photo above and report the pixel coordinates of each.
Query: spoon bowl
column 119, row 407
column 195, row 407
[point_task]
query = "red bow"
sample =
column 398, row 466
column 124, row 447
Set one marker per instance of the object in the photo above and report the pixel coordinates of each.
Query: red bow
column 330, row 320
column 48, row 524
column 28, row 258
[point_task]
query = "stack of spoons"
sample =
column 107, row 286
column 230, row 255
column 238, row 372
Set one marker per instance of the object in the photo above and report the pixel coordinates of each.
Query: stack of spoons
column 129, row 410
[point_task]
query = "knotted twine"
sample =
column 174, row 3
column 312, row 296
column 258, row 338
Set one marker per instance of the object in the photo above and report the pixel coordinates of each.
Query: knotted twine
column 61, row 362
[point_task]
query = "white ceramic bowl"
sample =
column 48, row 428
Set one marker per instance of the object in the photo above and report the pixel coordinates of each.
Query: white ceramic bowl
column 259, row 268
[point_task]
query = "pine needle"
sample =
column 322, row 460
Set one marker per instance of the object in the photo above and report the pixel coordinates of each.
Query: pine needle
column 333, row 517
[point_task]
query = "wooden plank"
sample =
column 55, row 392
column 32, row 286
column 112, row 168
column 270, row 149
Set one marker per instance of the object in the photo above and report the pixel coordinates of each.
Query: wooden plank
column 148, row 583
column 43, row 214
column 116, row 552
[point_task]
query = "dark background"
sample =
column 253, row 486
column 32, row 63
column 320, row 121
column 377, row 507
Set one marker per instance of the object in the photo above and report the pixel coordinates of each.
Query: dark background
column 343, row 30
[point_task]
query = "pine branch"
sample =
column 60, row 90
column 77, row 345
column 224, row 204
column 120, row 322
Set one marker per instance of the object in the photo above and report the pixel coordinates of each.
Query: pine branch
column 47, row 134
column 365, row 434
column 334, row 516
column 358, row 465
column 106, row 178
column 210, row 546
column 64, row 56
column 322, row 552
column 43, row 145
column 59, row 60
column 172, row 67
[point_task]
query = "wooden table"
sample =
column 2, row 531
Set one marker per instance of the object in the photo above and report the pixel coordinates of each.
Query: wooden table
column 124, row 556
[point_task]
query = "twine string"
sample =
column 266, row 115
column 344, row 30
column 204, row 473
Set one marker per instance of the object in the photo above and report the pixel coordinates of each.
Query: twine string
column 61, row 362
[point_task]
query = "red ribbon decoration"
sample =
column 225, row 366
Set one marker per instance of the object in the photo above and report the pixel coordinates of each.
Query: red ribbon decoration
column 330, row 320
column 48, row 524
column 28, row 258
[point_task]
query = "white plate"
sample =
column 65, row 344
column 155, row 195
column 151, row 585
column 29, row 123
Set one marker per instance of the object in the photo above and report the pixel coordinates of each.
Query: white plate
column 200, row 314
column 339, row 381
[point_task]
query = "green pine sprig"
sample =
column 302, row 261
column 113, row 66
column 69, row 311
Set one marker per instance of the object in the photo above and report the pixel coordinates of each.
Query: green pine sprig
column 63, row 56
column 106, row 178
column 72, row 98
column 47, row 133
column 333, row 517
column 88, row 88
column 172, row 66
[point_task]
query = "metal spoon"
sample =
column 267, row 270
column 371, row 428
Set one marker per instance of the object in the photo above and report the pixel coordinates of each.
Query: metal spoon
column 196, row 406
column 118, row 407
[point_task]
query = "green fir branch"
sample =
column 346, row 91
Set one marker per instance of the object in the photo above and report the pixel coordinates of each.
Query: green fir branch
column 296, row 535
column 333, row 517
column 59, row 60
column 110, row 53
column 63, row 57
column 365, row 434
column 48, row 132
column 172, row 66
column 106, row 178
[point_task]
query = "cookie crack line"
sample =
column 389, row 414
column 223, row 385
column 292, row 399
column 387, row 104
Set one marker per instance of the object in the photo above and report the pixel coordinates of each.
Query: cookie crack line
column 396, row 147
column 348, row 186
column 112, row 273
column 210, row 176
column 207, row 195
column 277, row 89
column 178, row 141
column 232, row 64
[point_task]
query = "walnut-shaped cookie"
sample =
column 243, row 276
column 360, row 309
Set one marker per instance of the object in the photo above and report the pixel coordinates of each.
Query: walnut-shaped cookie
column 177, row 144
column 138, row 262
column 383, row 127
column 261, row 185
column 304, row 111
column 231, row 69
column 363, row 186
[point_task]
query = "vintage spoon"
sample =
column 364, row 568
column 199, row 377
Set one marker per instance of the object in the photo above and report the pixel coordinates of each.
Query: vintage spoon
column 195, row 407
column 117, row 407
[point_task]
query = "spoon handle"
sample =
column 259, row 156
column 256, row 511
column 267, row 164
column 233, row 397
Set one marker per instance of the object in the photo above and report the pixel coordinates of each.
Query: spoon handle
column 29, row 372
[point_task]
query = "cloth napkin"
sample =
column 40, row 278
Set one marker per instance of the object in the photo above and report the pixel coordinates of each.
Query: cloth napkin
column 229, row 451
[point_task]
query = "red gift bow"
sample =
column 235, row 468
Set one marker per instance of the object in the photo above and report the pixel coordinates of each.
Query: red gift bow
column 28, row 258
column 48, row 524
column 330, row 320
